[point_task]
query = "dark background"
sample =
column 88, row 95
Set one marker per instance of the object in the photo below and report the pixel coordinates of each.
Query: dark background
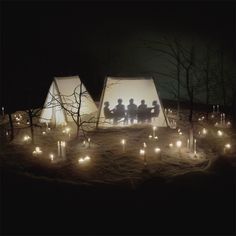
column 41, row 40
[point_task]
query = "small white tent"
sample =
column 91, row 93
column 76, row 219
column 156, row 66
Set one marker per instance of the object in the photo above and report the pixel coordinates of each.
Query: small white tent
column 126, row 88
column 65, row 92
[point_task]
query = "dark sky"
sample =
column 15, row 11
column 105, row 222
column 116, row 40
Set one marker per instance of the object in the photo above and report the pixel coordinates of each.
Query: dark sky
column 46, row 39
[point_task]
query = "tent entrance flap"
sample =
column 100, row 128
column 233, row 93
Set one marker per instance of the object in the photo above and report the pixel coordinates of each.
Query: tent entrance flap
column 63, row 101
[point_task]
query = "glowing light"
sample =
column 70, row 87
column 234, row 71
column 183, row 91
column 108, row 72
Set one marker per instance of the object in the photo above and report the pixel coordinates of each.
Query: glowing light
column 154, row 131
column 81, row 160
column 228, row 145
column 87, row 158
column 26, row 138
column 178, row 144
column 144, row 145
column 157, row 150
column 195, row 147
column 188, row 144
column 204, row 131
column 84, row 159
column 219, row 133
column 51, row 156
column 171, row 145
column 212, row 116
column 43, row 133
column 180, row 133
column 216, row 124
column 142, row 152
column 123, row 142
column 150, row 136
column 37, row 151
column 89, row 140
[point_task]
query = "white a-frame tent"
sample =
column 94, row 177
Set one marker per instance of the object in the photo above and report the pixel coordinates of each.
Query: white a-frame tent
column 126, row 88
column 63, row 100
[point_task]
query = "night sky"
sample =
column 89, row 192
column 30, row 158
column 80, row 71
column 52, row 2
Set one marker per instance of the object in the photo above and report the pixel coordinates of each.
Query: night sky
column 46, row 39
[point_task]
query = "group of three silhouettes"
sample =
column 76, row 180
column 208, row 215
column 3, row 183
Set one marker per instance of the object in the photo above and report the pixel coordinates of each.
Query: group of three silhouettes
column 141, row 113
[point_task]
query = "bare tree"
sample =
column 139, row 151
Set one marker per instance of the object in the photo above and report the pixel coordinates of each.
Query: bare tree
column 71, row 105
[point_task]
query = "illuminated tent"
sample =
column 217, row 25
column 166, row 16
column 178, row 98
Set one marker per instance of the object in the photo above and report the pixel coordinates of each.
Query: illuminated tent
column 64, row 92
column 127, row 88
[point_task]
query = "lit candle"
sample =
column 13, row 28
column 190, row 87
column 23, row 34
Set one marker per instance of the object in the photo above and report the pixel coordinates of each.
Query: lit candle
column 219, row 133
column 171, row 145
column 154, row 131
column 150, row 136
column 89, row 142
column 157, row 150
column 143, row 154
column 3, row 113
column 63, row 149
column 188, row 144
column 178, row 145
column 59, row 148
column 123, row 142
column 227, row 147
column 204, row 131
column 144, row 145
column 195, row 147
column 51, row 156
column 218, row 108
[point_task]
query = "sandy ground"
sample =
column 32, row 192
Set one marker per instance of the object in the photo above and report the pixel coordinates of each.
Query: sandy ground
column 114, row 193
column 110, row 161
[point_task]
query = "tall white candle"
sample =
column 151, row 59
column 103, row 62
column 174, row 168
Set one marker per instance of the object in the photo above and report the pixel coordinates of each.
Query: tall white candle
column 123, row 144
column 63, row 148
column 59, row 148
column 195, row 146
column 3, row 112
column 154, row 131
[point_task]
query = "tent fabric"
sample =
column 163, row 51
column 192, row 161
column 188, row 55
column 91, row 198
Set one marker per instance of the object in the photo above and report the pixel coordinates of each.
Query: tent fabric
column 125, row 88
column 64, row 91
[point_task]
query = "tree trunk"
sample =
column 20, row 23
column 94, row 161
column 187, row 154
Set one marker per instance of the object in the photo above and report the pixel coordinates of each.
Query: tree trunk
column 178, row 91
column 11, row 126
column 31, row 125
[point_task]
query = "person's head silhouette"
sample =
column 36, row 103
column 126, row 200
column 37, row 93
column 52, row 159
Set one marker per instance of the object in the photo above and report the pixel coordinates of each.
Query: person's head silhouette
column 154, row 103
column 131, row 101
column 142, row 102
column 119, row 101
column 106, row 104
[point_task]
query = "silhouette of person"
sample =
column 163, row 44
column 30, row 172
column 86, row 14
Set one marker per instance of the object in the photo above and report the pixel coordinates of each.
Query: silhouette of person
column 119, row 111
column 132, row 111
column 107, row 112
column 142, row 112
column 156, row 109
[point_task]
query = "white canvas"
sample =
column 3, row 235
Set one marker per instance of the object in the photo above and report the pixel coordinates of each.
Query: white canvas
column 61, row 92
column 126, row 88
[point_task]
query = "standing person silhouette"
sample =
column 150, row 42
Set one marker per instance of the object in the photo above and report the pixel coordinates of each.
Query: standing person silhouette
column 132, row 111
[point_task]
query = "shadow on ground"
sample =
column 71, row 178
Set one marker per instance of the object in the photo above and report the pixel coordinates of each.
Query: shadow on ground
column 195, row 203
